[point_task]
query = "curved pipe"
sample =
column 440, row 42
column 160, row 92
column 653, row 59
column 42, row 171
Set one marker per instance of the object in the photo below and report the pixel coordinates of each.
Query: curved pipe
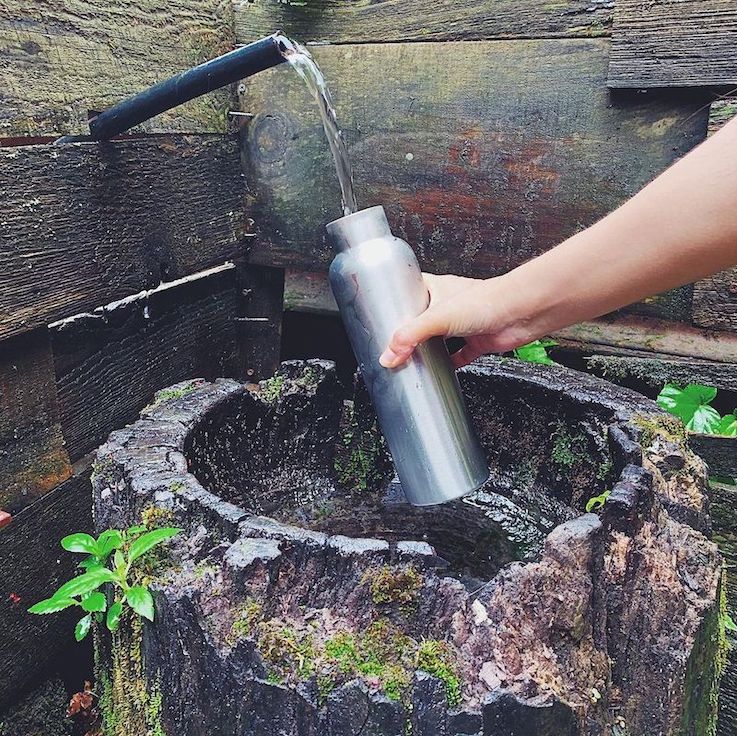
column 187, row 85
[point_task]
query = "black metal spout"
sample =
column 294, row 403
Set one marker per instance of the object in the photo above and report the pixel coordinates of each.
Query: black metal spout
column 185, row 86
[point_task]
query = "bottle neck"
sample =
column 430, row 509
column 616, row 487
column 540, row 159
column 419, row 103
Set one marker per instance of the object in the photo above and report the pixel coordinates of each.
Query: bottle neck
column 351, row 230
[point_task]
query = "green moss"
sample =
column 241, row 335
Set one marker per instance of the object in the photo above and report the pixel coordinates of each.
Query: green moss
column 358, row 459
column 169, row 394
column 247, row 617
column 271, row 389
column 176, row 486
column 394, row 585
column 155, row 517
column 568, row 448
column 704, row 671
column 130, row 702
column 285, row 650
column 434, row 657
column 666, row 426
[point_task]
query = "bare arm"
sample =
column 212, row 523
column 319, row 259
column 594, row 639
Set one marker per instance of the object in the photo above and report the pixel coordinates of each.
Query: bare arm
column 679, row 228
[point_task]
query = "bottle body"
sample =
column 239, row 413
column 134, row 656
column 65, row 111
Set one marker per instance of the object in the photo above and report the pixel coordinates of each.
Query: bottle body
column 378, row 286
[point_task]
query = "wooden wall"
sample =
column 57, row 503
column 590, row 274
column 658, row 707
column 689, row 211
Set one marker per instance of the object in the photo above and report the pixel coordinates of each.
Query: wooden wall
column 490, row 131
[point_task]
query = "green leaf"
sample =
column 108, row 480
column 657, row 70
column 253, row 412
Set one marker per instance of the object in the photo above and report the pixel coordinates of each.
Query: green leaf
column 534, row 352
column 90, row 580
column 52, row 605
column 119, row 561
column 684, row 403
column 80, row 543
column 94, row 602
column 141, row 601
column 728, row 425
column 108, row 541
column 90, row 563
column 135, row 531
column 705, row 420
column 595, row 503
column 83, row 627
column 729, row 623
column 113, row 615
column 149, row 541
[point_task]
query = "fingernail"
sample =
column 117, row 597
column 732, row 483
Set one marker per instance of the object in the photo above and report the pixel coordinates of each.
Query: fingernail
column 389, row 358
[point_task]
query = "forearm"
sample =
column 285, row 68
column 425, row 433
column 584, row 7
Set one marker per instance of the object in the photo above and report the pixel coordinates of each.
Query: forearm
column 681, row 227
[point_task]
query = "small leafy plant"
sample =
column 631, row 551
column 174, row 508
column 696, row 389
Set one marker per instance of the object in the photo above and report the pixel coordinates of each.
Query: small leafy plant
column 597, row 502
column 536, row 352
column 126, row 548
column 692, row 405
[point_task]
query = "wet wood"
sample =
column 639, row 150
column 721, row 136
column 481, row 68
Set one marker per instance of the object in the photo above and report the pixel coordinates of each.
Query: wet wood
column 62, row 59
column 84, row 224
column 715, row 301
column 371, row 21
column 655, row 372
column 720, row 453
column 483, row 156
column 673, row 43
column 33, row 458
column 111, row 363
column 34, row 565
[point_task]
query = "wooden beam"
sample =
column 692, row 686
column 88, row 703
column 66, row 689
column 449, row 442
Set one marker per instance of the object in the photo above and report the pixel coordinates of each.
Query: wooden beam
column 715, row 301
column 33, row 458
column 482, row 155
column 84, row 224
column 110, row 363
column 657, row 371
column 673, row 43
column 34, row 565
column 61, row 60
column 365, row 21
column 720, row 453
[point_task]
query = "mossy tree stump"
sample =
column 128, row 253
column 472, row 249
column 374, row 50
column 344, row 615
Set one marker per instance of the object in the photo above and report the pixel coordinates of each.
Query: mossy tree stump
column 306, row 597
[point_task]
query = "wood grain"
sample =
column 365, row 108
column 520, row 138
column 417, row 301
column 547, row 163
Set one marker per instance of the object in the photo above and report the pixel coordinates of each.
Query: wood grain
column 715, row 301
column 61, row 59
column 110, row 363
column 34, row 565
column 673, row 43
column 482, row 156
column 84, row 224
column 655, row 372
column 33, row 458
column 720, row 453
column 371, row 21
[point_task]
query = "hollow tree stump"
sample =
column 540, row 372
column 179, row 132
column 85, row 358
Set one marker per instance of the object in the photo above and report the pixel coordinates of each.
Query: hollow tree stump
column 305, row 596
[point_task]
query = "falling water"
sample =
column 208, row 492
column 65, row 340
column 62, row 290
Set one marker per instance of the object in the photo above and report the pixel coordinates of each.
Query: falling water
column 301, row 59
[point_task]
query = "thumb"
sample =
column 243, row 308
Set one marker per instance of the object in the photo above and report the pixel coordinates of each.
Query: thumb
column 430, row 323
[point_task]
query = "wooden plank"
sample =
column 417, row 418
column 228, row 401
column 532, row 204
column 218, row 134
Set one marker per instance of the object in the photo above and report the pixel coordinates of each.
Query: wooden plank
column 62, row 59
column 305, row 291
column 720, row 453
column 364, row 21
column 85, row 224
column 655, row 372
column 482, row 155
column 110, row 363
column 33, row 566
column 32, row 455
column 259, row 327
column 673, row 43
column 715, row 301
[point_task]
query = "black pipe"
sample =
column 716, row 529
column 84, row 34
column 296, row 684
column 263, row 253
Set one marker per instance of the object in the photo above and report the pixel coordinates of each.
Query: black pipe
column 187, row 85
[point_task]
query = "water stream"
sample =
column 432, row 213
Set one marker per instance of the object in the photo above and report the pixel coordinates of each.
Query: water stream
column 303, row 63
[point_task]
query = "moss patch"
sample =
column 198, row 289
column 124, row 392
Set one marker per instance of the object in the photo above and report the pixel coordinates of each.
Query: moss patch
column 271, row 389
column 568, row 448
column 666, row 426
column 176, row 392
column 390, row 585
column 359, row 457
column 247, row 617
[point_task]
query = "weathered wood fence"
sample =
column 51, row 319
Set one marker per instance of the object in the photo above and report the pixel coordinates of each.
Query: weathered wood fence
column 490, row 131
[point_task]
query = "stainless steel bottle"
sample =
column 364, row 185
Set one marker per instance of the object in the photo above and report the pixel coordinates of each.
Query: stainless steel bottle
column 378, row 285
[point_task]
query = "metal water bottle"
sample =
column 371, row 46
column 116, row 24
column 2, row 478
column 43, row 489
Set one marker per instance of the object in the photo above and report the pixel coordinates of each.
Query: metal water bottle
column 378, row 286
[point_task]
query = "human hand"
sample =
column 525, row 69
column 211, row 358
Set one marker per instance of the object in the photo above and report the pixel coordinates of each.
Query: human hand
column 459, row 307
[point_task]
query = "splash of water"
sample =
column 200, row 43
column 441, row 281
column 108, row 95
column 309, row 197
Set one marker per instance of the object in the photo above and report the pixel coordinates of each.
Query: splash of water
column 302, row 62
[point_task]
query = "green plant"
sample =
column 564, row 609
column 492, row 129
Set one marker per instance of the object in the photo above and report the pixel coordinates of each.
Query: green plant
column 597, row 502
column 127, row 548
column 536, row 352
column 692, row 405
column 433, row 657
